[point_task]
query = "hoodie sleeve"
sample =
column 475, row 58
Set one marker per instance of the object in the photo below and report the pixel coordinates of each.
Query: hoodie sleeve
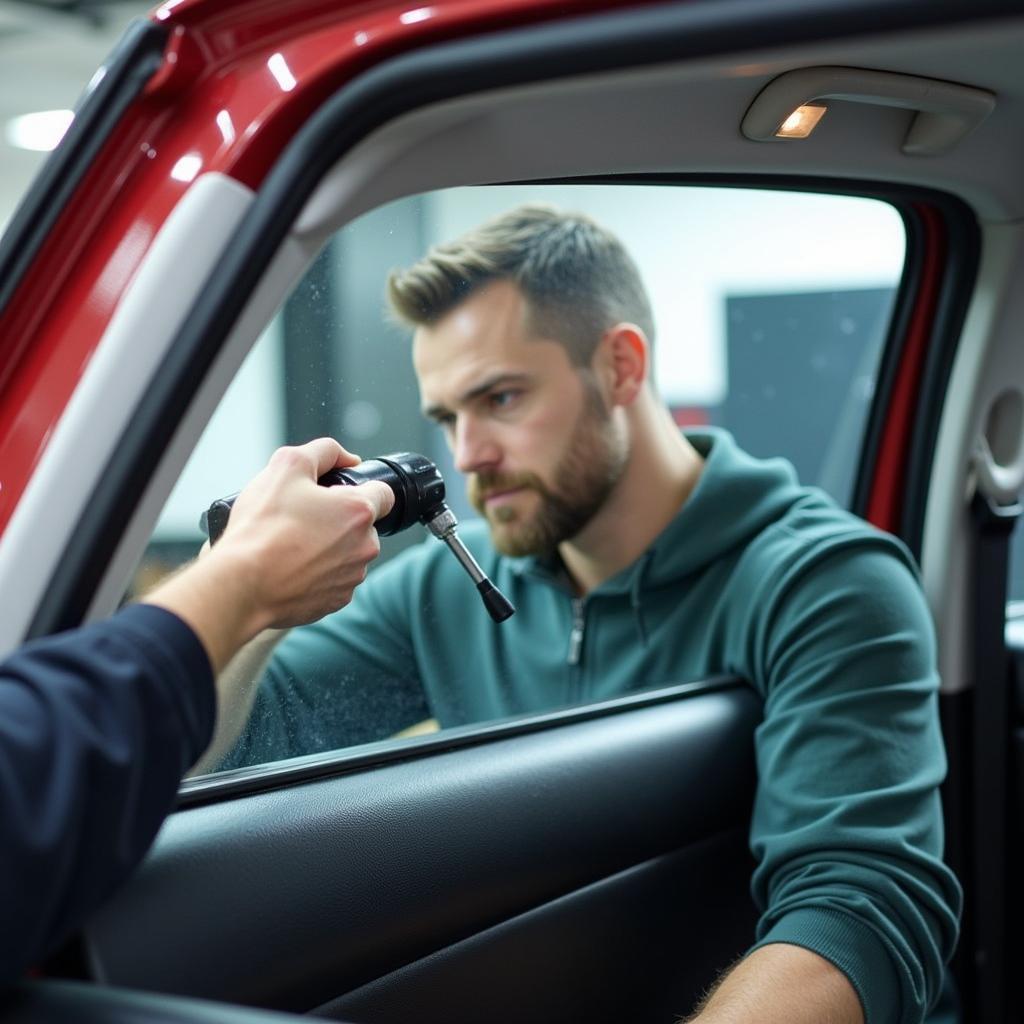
column 847, row 824
column 97, row 727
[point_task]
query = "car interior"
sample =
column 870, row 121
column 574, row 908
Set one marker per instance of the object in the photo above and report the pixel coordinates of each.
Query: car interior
column 589, row 862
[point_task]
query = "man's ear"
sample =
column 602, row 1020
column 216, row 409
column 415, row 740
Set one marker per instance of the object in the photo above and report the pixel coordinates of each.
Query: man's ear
column 623, row 355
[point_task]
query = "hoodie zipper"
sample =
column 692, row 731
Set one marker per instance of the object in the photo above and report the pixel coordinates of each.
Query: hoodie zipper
column 576, row 635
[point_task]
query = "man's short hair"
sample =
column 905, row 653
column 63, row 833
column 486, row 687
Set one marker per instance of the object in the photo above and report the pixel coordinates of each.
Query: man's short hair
column 576, row 276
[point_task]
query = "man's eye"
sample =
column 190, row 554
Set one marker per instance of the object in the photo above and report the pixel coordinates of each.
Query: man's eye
column 503, row 399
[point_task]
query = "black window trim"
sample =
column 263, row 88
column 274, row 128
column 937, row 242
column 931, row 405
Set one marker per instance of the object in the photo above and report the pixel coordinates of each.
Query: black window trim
column 258, row 778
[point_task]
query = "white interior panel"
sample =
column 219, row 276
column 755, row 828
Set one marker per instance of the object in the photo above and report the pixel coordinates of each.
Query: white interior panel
column 281, row 276
column 172, row 274
column 989, row 358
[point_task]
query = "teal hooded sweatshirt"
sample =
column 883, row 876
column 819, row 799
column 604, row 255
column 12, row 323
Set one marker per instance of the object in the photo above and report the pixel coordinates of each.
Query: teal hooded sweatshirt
column 756, row 576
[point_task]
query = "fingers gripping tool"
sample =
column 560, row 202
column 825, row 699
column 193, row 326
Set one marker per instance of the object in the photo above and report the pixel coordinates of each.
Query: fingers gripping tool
column 419, row 498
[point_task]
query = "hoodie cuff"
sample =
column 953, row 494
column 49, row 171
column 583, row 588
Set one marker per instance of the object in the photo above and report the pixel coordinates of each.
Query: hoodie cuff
column 852, row 947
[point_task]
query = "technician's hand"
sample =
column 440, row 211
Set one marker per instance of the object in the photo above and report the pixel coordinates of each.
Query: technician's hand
column 308, row 546
column 292, row 552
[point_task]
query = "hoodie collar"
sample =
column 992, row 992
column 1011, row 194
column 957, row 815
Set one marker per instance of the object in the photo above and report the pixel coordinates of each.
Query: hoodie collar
column 735, row 498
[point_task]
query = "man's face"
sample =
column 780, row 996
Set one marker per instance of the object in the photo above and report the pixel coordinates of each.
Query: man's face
column 530, row 430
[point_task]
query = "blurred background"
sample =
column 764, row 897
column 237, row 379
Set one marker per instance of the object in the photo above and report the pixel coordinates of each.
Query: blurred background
column 49, row 50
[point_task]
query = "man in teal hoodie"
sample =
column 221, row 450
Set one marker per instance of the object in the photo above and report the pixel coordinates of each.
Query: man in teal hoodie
column 637, row 555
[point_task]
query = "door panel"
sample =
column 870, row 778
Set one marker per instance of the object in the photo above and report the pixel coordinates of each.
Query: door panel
column 612, row 851
column 642, row 945
column 57, row 1002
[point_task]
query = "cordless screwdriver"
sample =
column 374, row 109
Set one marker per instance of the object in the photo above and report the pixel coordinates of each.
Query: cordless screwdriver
column 419, row 497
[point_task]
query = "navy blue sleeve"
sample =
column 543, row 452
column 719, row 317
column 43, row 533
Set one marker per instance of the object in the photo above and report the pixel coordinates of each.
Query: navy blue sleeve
column 97, row 727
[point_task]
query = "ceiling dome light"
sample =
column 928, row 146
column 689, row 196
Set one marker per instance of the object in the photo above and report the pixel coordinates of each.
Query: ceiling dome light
column 801, row 122
column 944, row 112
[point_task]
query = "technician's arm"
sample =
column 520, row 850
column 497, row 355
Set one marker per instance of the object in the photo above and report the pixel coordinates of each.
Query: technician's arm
column 782, row 984
column 96, row 729
column 97, row 726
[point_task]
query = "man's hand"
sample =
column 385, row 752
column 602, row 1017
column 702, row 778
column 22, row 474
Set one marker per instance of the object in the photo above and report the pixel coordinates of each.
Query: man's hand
column 292, row 552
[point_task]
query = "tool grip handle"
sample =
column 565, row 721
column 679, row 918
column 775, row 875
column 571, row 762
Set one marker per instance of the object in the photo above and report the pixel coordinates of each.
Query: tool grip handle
column 415, row 481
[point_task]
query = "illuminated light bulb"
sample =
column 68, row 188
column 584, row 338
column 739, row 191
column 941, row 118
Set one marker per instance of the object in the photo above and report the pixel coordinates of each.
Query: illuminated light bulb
column 802, row 121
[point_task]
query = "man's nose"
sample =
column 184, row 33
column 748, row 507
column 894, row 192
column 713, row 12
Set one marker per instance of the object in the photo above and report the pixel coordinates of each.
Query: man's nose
column 475, row 448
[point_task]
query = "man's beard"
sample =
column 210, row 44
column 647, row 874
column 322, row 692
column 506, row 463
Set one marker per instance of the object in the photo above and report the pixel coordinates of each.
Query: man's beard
column 592, row 465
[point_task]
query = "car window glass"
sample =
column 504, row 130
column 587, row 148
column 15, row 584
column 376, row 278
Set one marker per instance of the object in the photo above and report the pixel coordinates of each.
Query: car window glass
column 771, row 310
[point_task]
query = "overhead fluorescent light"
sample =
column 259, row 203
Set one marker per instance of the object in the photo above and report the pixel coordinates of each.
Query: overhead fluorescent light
column 40, row 131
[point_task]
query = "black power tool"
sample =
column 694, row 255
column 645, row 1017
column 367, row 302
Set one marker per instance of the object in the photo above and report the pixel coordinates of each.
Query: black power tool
column 419, row 498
